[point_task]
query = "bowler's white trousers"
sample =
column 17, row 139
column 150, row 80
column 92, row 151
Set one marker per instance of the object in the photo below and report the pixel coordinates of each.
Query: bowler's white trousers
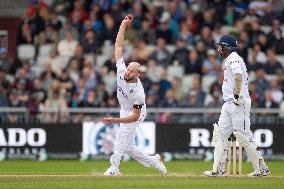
column 235, row 118
column 125, row 143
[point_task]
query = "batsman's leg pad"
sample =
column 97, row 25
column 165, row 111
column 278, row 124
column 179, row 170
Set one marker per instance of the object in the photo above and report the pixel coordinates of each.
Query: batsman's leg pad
column 220, row 152
column 252, row 151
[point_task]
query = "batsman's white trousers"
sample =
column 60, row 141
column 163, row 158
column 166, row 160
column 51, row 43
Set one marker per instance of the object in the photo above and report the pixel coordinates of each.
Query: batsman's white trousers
column 124, row 143
column 235, row 118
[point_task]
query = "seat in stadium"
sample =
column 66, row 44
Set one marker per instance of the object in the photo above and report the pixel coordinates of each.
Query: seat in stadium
column 175, row 71
column 44, row 49
column 187, row 82
column 280, row 58
column 26, row 52
column 207, row 81
column 171, row 48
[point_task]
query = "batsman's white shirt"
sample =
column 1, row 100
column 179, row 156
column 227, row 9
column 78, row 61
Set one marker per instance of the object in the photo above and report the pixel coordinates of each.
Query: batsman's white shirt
column 234, row 117
column 234, row 64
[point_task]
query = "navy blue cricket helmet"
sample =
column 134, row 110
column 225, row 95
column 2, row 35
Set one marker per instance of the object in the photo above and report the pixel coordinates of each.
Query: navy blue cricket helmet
column 229, row 43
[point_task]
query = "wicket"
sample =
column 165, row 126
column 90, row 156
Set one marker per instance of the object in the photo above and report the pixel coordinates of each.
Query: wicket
column 232, row 144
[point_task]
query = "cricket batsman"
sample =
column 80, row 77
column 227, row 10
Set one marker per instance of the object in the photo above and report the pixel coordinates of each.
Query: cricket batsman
column 131, row 97
column 235, row 113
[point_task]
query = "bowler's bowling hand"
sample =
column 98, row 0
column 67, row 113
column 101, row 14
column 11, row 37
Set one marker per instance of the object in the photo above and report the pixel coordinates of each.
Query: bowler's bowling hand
column 108, row 120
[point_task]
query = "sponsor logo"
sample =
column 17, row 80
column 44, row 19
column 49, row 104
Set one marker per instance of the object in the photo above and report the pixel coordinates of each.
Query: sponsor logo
column 99, row 138
column 34, row 137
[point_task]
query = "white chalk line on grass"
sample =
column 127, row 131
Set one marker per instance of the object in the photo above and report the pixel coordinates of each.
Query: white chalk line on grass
column 171, row 175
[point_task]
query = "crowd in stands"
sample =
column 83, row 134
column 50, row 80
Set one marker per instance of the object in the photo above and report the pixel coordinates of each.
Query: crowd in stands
column 173, row 40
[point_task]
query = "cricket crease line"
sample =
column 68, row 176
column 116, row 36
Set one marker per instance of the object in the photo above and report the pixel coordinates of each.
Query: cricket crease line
column 171, row 175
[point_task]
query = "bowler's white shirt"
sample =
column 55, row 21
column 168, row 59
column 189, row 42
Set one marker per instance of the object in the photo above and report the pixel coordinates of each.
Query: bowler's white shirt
column 129, row 94
column 231, row 65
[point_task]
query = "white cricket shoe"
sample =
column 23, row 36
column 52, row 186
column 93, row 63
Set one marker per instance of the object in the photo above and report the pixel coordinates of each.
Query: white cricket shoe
column 254, row 174
column 112, row 171
column 263, row 172
column 159, row 165
column 215, row 174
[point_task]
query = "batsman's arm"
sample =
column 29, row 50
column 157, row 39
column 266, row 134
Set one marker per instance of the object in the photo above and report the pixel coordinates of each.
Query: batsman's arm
column 237, row 84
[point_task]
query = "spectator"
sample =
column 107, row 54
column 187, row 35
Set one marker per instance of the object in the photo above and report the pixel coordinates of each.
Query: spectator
column 56, row 63
column 215, row 100
column 78, row 14
column 181, row 52
column 255, row 99
column 161, row 55
column 89, row 42
column 25, row 35
column 177, row 89
column 67, row 46
column 256, row 55
column 146, row 82
column 272, row 66
column 254, row 31
column 145, row 33
column 192, row 100
column 196, row 86
column 4, row 88
column 48, row 36
column 68, row 27
column 229, row 15
column 14, row 100
column 258, row 6
column 193, row 63
column 38, row 91
column 26, row 67
column 169, row 101
column 276, row 35
column 268, row 102
column 109, row 32
column 75, row 101
column 211, row 66
column 217, row 85
column 164, row 83
column 5, row 62
column 207, row 19
column 56, row 101
column 155, row 90
column 154, row 71
column 143, row 52
column 66, row 84
column 151, row 100
column 185, row 32
column 111, row 62
column 91, row 100
column 102, row 94
column 97, row 23
column 89, row 76
column 54, row 21
column 73, row 70
column 79, row 56
column 206, row 38
column 109, row 79
column 23, row 90
column 47, row 76
column 163, row 31
column 261, row 83
column 276, row 93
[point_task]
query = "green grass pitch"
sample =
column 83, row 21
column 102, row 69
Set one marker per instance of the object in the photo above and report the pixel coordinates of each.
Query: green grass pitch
column 89, row 175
